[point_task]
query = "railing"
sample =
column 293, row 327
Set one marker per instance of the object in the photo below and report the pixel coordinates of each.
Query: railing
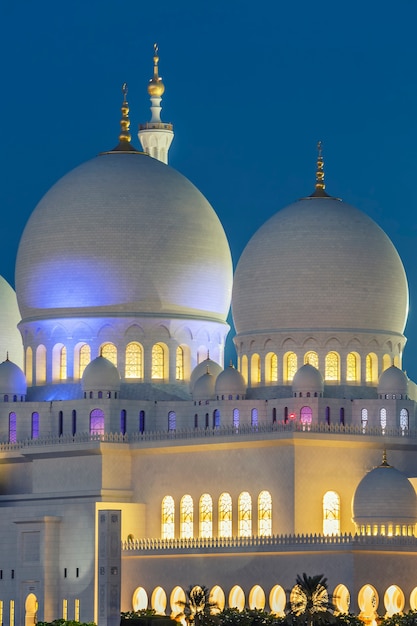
column 158, row 125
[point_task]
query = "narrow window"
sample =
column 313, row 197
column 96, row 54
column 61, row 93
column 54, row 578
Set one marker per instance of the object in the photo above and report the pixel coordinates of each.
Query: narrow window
column 172, row 421
column 342, row 416
column 83, row 359
column 364, row 418
column 195, row 420
column 206, row 516
column 158, row 362
column 236, row 418
column 264, row 514
column 134, row 360
column 254, row 418
column 179, row 363
column 206, row 424
column 186, row 517
column 12, row 428
column 216, row 418
column 331, row 513
column 245, row 515
column 109, row 351
column 225, row 515
column 35, row 425
column 274, row 415
column 167, row 526
column 328, row 415
column 383, row 418
column 141, row 422
column 404, row 419
column 123, row 415
column 332, row 366
column 60, row 424
column 290, row 366
column 74, row 422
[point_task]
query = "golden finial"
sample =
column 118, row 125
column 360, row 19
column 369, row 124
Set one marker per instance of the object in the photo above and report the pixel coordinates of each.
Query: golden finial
column 384, row 460
column 320, row 171
column 156, row 87
column 125, row 121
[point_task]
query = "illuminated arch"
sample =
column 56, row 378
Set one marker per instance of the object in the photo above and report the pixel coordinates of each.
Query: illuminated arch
column 206, row 515
column 394, row 601
column 96, row 422
column 167, row 518
column 383, row 418
column 332, row 367
column 371, row 368
column 244, row 515
column 306, row 415
column 159, row 362
column 177, row 601
column 139, row 599
column 277, row 601
column 341, row 599
column 353, row 369
column 59, row 362
column 386, row 362
column 29, row 366
column 255, row 369
column 404, row 419
column 413, row 599
column 179, row 363
column 257, row 598
column 82, row 357
column 134, row 360
column 159, row 601
column 290, row 366
column 186, row 517
column 264, row 514
column 397, row 361
column 217, row 598
column 237, row 598
column 41, row 365
column 109, row 351
column 225, row 515
column 331, row 513
column 312, row 358
column 271, row 368
column 368, row 602
column 31, row 609
column 244, row 368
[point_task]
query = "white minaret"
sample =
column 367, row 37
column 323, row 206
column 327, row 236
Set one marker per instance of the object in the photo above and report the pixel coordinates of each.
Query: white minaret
column 155, row 136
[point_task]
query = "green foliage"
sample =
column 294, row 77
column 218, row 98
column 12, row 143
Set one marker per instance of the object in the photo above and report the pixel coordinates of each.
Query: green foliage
column 408, row 619
column 309, row 602
column 64, row 622
column 197, row 608
column 140, row 613
column 247, row 617
column 348, row 619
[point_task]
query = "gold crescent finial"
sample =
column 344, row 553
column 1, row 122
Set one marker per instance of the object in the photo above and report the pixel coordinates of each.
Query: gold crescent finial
column 156, row 87
column 125, row 121
column 320, row 186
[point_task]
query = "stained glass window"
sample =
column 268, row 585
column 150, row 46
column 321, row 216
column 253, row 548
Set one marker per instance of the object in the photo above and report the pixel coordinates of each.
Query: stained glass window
column 264, row 514
column 167, row 525
column 206, row 515
column 245, row 515
column 134, row 360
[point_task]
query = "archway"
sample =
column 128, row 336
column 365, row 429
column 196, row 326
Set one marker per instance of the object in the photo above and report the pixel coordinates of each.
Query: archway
column 368, row 603
column 277, row 600
column 139, row 599
column 341, row 599
column 394, row 601
column 31, row 609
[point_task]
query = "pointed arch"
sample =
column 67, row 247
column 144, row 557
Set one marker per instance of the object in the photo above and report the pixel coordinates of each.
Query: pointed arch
column 82, row 357
column 312, row 358
column 109, row 351
column 353, row 370
column 290, row 366
column 160, row 362
column 244, row 514
column 271, row 368
column 167, row 518
column 264, row 514
column 372, row 368
column 134, row 360
column 186, row 517
column 206, row 515
column 332, row 367
column 225, row 515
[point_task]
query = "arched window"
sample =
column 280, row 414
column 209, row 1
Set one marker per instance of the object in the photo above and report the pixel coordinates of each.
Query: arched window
column 244, row 368
column 306, row 415
column 35, row 425
column 364, row 418
column 274, row 415
column 29, row 366
column 123, row 421
column 271, row 368
column 332, row 366
column 312, row 358
column 96, row 422
column 352, row 368
column 109, row 351
column 179, row 363
column 206, row 516
column 158, row 362
column 383, row 418
column 172, row 421
column 167, row 522
column 12, row 428
column 342, row 416
column 244, row 514
column 328, row 415
column 84, row 359
column 60, row 424
column 386, row 362
column 254, row 418
column 225, row 515
column 331, row 513
column 236, row 418
column 371, row 368
column 59, row 362
column 141, row 421
column 186, row 517
column 216, row 418
column 40, row 365
column 255, row 369
column 290, row 366
column 404, row 419
column 74, row 422
column 264, row 514
column 134, row 360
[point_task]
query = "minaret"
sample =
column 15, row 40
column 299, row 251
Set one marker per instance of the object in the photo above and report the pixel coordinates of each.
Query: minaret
column 155, row 136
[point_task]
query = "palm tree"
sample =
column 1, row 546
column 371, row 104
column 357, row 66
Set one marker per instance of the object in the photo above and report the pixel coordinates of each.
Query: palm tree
column 197, row 607
column 309, row 602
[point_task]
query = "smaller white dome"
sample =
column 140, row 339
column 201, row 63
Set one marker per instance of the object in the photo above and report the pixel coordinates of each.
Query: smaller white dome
column 100, row 375
column 230, row 382
column 12, row 379
column 201, row 369
column 204, row 387
column 307, row 379
column 393, row 380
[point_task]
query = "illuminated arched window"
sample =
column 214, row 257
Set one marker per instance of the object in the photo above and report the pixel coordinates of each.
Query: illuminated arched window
column 364, row 418
column 35, row 425
column 12, row 428
column 134, row 360
column 254, row 418
column 332, row 366
column 216, row 418
column 158, row 362
column 244, row 368
column 264, row 514
column 140, row 599
column 404, row 419
column 172, row 421
column 206, row 515
column 59, row 362
column 186, row 517
column 255, row 369
column 331, row 513
column 312, row 358
column 290, row 366
column 96, row 422
column 245, row 515
column 306, row 415
column 63, row 364
column 179, row 364
column 257, row 598
column 236, row 418
column 371, row 368
column 225, row 515
column 109, row 351
column 84, row 359
column 352, row 368
column 29, row 365
column 271, row 367
column 383, row 418
column 40, row 365
column 386, row 362
column 167, row 522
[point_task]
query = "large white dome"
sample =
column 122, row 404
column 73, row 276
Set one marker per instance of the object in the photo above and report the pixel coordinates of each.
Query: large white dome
column 124, row 234
column 320, row 264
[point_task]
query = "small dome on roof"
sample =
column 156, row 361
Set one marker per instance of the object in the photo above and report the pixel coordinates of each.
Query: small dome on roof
column 393, row 380
column 201, row 369
column 308, row 379
column 12, row 379
column 100, row 374
column 230, row 382
column 384, row 496
column 204, row 387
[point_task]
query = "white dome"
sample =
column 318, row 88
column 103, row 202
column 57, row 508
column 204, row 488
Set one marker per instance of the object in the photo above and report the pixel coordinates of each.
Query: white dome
column 12, row 379
column 204, row 387
column 307, row 379
column 230, row 382
column 10, row 338
column 320, row 264
column 124, row 234
column 384, row 495
column 393, row 381
column 100, row 375
column 202, row 368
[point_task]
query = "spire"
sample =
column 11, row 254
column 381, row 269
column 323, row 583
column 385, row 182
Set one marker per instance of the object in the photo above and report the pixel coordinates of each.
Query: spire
column 156, row 136
column 124, row 144
column 319, row 191
column 384, row 460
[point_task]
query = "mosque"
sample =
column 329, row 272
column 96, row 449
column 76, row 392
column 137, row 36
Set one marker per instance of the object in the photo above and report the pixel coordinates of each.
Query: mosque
column 136, row 463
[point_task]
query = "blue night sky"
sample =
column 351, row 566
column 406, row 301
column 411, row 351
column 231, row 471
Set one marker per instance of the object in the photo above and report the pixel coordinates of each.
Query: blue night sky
column 250, row 87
